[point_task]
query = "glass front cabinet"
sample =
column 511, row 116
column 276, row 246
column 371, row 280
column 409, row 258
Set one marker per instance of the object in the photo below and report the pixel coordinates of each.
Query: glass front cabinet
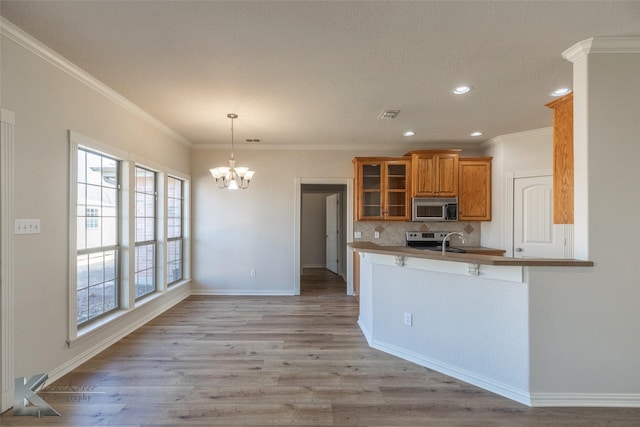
column 382, row 188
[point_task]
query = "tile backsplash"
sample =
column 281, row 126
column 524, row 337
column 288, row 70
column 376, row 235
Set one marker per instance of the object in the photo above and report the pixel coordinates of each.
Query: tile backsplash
column 392, row 233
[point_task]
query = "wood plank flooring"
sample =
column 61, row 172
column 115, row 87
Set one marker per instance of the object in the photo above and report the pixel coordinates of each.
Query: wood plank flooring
column 271, row 361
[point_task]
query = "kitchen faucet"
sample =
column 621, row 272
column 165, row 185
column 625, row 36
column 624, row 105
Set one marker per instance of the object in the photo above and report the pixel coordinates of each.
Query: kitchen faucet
column 444, row 241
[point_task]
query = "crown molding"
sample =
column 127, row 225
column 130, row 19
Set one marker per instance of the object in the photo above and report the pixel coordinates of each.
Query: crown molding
column 33, row 45
column 334, row 147
column 548, row 131
column 602, row 45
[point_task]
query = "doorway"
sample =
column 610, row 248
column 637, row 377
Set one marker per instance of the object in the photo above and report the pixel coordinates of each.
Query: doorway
column 320, row 204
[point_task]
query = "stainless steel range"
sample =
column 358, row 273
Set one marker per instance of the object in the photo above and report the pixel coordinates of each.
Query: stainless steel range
column 430, row 240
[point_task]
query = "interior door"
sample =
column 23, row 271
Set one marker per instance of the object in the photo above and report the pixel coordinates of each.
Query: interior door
column 332, row 232
column 534, row 233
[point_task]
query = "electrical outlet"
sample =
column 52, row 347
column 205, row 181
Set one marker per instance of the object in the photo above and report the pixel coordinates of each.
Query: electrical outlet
column 253, row 272
column 357, row 234
column 408, row 319
column 376, row 234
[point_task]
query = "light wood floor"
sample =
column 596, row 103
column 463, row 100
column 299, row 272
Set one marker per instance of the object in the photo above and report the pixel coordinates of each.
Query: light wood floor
column 265, row 361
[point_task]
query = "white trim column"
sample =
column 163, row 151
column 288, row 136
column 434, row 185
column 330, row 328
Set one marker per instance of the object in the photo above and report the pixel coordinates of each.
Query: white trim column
column 605, row 131
column 7, row 124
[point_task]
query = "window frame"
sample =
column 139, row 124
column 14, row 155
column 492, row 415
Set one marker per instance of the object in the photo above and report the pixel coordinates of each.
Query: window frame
column 180, row 237
column 128, row 305
column 103, row 249
column 153, row 243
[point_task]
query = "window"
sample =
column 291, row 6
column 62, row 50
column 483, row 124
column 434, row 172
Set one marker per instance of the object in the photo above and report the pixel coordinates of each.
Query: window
column 145, row 232
column 128, row 234
column 97, row 223
column 175, row 225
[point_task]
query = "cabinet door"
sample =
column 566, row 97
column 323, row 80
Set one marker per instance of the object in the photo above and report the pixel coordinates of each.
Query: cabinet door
column 447, row 175
column 396, row 201
column 370, row 190
column 474, row 202
column 435, row 174
column 424, row 175
column 383, row 188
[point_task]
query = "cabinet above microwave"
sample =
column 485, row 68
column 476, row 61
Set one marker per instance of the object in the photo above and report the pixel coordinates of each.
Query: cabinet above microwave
column 434, row 173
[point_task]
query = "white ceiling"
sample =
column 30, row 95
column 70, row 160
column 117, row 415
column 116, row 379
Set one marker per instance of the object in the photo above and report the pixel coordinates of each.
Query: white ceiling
column 319, row 73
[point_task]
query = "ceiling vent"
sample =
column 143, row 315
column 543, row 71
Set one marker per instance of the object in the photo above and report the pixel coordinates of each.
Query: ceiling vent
column 389, row 114
column 252, row 140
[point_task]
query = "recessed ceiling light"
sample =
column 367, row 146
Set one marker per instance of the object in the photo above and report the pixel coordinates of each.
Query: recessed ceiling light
column 408, row 133
column 561, row 91
column 461, row 90
column 476, row 133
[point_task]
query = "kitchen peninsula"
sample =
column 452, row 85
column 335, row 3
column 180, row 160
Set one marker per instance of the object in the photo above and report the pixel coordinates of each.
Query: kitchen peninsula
column 465, row 315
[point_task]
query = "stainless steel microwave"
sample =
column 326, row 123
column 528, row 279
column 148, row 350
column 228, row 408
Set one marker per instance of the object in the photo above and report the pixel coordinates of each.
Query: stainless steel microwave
column 434, row 209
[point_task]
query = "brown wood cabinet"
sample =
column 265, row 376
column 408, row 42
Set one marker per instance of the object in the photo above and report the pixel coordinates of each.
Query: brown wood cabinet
column 434, row 173
column 474, row 198
column 382, row 188
column 562, row 159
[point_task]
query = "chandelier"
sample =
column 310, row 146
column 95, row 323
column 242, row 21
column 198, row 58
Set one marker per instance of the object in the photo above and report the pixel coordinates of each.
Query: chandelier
column 232, row 177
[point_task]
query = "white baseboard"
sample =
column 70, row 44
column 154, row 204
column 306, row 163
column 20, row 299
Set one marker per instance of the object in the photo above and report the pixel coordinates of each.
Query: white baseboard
column 520, row 396
column 608, row 400
column 365, row 331
column 171, row 299
column 314, row 266
column 235, row 292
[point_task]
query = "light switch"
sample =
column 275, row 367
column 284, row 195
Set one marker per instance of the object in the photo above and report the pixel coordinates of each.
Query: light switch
column 27, row 226
column 376, row 234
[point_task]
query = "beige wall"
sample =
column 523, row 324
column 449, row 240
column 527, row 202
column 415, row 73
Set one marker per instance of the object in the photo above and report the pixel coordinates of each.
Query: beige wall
column 47, row 103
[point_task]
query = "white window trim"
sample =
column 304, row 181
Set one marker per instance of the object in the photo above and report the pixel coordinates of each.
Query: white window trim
column 128, row 303
column 186, row 229
column 185, row 184
column 158, row 220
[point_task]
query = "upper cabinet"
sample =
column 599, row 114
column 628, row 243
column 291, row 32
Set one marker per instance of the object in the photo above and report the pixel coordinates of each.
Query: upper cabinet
column 434, row 173
column 562, row 159
column 474, row 198
column 382, row 188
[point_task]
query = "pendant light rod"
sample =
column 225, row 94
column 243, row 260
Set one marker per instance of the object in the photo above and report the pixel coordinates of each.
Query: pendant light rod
column 232, row 116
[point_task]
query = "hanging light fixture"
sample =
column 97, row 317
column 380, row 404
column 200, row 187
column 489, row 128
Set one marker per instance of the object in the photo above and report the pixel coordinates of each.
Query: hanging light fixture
column 232, row 177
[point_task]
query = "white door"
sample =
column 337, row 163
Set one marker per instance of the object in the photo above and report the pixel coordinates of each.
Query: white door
column 534, row 233
column 332, row 232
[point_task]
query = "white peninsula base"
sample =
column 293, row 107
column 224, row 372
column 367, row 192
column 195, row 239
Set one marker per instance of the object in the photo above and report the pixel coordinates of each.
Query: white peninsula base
column 471, row 327
column 536, row 331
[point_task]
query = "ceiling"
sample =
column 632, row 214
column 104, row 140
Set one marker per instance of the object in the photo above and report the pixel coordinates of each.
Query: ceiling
column 319, row 73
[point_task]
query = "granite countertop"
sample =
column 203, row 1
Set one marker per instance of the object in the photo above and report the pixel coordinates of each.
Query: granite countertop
column 473, row 258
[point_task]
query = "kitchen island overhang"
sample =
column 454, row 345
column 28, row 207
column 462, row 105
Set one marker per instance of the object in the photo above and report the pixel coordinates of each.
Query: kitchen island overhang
column 471, row 315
